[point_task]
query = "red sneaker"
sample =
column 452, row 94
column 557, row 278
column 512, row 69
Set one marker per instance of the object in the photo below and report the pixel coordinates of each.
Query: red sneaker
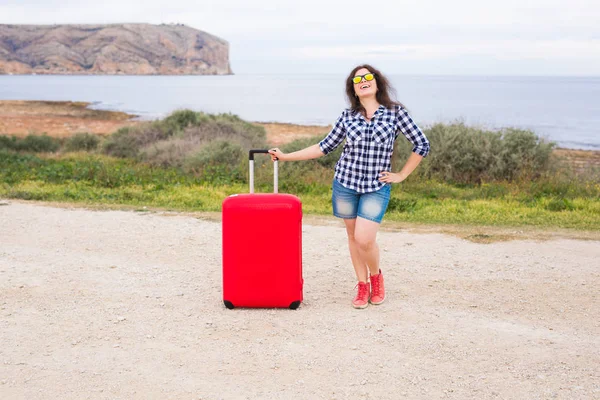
column 362, row 296
column 377, row 289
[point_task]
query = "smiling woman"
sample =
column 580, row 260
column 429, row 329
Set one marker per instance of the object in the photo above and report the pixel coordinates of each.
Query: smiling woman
column 363, row 176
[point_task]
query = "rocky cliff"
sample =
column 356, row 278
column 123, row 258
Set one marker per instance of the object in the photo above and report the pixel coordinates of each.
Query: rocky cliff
column 132, row 49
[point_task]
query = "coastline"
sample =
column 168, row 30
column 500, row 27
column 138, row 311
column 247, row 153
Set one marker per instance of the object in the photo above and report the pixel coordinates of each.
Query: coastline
column 58, row 118
column 66, row 118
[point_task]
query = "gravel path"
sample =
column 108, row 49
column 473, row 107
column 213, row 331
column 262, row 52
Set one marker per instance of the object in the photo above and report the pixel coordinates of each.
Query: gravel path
column 127, row 305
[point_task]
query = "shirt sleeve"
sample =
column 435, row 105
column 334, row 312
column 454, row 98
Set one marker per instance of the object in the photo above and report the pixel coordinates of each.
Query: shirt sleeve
column 412, row 132
column 335, row 137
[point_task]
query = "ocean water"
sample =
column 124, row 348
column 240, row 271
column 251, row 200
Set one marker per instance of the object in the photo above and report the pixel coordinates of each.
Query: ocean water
column 565, row 110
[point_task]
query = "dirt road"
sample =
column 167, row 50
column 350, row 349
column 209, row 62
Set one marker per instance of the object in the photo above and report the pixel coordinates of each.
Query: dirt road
column 127, row 305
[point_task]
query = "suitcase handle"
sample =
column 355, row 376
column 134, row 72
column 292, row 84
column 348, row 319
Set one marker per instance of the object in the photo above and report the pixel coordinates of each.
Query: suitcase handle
column 251, row 153
column 275, row 170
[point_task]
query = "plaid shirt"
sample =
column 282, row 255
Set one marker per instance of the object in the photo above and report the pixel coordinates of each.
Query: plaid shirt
column 369, row 145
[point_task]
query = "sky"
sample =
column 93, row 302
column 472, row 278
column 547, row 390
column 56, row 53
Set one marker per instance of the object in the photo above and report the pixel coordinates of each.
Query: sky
column 440, row 37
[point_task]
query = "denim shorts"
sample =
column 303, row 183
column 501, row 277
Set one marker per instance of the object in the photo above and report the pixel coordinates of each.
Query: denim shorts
column 349, row 204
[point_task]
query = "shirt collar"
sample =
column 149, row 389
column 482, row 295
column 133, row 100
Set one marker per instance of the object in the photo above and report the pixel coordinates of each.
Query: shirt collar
column 380, row 109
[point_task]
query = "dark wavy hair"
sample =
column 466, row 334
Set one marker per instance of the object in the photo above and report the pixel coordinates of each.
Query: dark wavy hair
column 383, row 90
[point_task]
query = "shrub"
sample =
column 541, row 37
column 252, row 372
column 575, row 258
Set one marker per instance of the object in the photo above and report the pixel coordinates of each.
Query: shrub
column 181, row 135
column 172, row 152
column 463, row 154
column 226, row 127
column 38, row 144
column 181, row 119
column 82, row 142
column 122, row 143
column 522, row 154
column 217, row 161
column 8, row 142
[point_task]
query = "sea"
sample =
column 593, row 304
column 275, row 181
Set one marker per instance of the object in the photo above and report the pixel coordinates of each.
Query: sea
column 565, row 110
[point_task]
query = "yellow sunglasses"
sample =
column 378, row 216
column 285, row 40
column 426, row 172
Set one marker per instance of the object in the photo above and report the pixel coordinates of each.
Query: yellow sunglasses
column 359, row 78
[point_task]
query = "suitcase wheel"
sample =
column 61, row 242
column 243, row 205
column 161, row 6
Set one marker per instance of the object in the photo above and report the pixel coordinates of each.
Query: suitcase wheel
column 294, row 305
column 229, row 304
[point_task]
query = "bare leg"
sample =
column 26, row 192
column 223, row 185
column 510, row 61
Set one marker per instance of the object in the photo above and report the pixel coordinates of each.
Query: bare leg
column 365, row 233
column 360, row 267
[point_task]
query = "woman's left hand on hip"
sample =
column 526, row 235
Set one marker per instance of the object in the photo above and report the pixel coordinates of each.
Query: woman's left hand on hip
column 390, row 177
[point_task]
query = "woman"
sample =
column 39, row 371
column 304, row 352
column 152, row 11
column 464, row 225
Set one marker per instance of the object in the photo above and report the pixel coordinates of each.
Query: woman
column 363, row 176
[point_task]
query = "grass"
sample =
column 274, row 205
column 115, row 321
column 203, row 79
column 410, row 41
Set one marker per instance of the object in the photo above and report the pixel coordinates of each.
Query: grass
column 191, row 161
column 96, row 179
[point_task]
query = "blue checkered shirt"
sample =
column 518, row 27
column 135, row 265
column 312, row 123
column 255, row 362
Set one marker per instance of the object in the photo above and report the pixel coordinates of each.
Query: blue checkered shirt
column 369, row 145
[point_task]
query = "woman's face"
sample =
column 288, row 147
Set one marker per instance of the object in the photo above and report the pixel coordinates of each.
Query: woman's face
column 364, row 87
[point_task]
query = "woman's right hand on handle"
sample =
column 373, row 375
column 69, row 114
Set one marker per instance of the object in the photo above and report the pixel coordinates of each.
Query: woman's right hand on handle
column 277, row 154
column 308, row 153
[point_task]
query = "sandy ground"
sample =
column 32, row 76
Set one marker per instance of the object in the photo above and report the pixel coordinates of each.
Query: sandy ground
column 127, row 305
column 58, row 118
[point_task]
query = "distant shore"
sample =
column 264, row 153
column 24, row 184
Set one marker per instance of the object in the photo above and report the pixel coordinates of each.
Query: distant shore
column 65, row 118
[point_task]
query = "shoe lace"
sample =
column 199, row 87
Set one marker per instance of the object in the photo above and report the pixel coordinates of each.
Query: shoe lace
column 363, row 291
column 375, row 286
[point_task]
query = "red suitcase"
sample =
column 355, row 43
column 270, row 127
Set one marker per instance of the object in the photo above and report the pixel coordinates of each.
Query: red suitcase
column 262, row 248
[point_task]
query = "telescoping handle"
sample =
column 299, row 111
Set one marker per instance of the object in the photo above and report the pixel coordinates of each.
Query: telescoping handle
column 275, row 170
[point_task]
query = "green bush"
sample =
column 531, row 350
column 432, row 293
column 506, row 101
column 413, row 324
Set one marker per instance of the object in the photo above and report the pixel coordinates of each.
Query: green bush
column 30, row 143
column 463, row 154
column 226, row 127
column 459, row 154
column 181, row 119
column 122, row 143
column 173, row 140
column 522, row 154
column 8, row 142
column 82, row 142
column 218, row 161
column 39, row 144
